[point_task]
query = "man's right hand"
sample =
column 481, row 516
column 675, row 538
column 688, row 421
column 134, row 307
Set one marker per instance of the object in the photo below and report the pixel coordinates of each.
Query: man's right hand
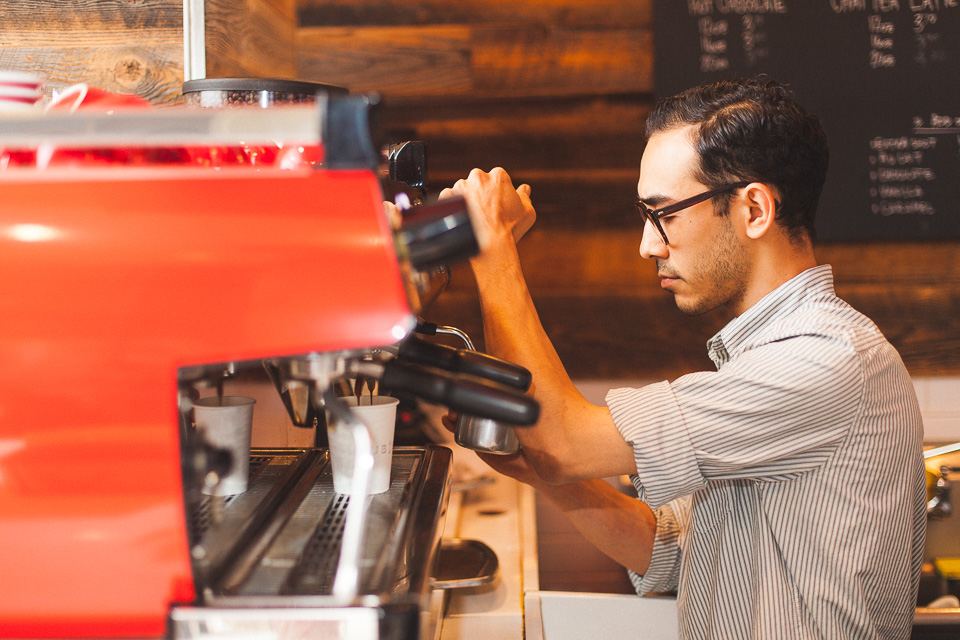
column 501, row 208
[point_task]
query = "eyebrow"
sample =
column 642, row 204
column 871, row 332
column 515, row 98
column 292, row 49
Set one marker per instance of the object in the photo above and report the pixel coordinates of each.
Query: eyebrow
column 654, row 200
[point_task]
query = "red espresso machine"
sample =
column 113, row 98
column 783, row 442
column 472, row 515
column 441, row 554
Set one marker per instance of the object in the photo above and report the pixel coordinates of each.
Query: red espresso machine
column 132, row 273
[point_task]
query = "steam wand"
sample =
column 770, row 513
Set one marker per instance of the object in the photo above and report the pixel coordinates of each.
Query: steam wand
column 346, row 583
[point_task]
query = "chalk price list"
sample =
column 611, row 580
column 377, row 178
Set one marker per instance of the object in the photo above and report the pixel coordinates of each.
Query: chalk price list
column 715, row 44
column 924, row 23
column 718, row 22
column 925, row 27
column 901, row 174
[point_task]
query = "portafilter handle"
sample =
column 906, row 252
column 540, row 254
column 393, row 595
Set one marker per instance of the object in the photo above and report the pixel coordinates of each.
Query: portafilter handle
column 458, row 391
column 474, row 432
column 463, row 360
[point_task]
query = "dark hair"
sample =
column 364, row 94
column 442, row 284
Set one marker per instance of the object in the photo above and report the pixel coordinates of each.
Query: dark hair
column 751, row 129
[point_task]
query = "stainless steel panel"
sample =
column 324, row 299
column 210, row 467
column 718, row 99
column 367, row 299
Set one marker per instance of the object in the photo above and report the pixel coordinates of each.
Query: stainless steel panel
column 267, row 555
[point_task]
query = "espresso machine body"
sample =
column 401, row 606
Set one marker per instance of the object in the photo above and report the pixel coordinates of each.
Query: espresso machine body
column 112, row 283
column 117, row 280
column 136, row 268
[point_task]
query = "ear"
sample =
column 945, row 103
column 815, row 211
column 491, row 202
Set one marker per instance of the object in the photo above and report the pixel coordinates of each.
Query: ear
column 761, row 209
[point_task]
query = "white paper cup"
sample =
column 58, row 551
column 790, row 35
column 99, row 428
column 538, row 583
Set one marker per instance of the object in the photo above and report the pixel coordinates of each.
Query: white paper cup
column 226, row 423
column 380, row 417
column 25, row 94
column 20, row 78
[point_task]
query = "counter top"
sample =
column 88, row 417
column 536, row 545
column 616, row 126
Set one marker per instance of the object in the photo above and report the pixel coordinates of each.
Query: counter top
column 500, row 513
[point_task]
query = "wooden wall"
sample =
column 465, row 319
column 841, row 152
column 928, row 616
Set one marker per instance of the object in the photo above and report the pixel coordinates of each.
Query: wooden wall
column 251, row 38
column 556, row 91
column 125, row 46
column 137, row 46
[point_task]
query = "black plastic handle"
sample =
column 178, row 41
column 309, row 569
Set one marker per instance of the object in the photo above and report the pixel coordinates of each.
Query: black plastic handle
column 438, row 233
column 407, row 162
column 461, row 392
column 465, row 361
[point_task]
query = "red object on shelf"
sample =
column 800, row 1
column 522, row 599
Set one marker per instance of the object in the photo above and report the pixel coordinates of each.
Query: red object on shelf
column 112, row 279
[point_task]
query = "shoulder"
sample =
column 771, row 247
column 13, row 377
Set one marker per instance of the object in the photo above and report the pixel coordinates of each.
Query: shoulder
column 827, row 321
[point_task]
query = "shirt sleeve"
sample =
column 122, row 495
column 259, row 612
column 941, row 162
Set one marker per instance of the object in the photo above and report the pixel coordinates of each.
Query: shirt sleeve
column 663, row 574
column 649, row 419
column 772, row 413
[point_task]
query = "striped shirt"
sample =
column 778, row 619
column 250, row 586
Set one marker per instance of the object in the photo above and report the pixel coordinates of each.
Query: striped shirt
column 789, row 484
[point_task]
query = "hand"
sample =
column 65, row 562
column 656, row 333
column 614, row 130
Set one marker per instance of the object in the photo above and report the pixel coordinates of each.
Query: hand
column 515, row 466
column 497, row 207
column 393, row 214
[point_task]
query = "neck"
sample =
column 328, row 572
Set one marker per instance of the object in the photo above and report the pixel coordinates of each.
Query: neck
column 775, row 263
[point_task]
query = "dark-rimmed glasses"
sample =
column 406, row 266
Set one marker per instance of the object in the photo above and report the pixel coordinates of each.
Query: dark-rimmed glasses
column 654, row 215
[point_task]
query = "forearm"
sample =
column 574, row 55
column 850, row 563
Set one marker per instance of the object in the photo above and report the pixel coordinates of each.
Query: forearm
column 512, row 328
column 621, row 527
column 574, row 439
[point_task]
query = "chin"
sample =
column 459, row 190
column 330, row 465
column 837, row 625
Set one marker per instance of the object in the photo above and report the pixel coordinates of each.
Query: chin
column 694, row 307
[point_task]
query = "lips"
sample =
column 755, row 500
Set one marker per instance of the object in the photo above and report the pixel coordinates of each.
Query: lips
column 666, row 281
column 667, row 276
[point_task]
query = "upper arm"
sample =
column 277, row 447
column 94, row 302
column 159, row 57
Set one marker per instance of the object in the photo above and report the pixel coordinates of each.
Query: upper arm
column 775, row 411
column 779, row 409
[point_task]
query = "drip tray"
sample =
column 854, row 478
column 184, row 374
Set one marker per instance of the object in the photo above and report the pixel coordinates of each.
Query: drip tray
column 278, row 543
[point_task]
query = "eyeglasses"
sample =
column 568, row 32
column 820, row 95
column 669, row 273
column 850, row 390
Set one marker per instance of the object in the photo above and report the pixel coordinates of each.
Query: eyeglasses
column 654, row 215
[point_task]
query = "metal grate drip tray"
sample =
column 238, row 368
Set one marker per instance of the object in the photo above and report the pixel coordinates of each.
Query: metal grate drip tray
column 281, row 538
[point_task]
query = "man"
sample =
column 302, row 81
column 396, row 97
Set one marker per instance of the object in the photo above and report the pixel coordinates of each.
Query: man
column 781, row 495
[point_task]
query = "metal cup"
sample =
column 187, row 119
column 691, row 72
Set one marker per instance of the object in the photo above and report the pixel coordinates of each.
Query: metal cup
column 484, row 434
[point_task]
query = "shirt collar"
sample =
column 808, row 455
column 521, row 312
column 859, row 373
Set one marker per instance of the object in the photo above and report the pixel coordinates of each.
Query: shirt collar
column 786, row 298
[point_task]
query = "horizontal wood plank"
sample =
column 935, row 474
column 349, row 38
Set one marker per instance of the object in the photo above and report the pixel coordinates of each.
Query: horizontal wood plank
column 918, row 264
column 455, row 120
column 417, row 63
column 607, row 262
column 397, row 62
column 601, row 337
column 577, row 13
column 561, row 61
column 124, row 46
column 152, row 72
column 25, row 20
column 598, row 133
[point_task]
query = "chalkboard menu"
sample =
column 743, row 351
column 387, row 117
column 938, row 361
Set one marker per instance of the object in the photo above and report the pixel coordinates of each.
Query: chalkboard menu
column 883, row 75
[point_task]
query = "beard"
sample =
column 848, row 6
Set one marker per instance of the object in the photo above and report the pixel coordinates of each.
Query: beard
column 718, row 277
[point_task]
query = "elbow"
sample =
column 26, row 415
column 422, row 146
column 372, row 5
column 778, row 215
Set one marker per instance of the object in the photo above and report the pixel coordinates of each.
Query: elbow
column 554, row 477
column 553, row 470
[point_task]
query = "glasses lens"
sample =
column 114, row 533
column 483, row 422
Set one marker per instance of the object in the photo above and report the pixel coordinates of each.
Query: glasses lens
column 646, row 214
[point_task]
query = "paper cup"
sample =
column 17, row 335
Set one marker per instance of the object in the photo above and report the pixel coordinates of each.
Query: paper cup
column 380, row 417
column 226, row 423
column 20, row 79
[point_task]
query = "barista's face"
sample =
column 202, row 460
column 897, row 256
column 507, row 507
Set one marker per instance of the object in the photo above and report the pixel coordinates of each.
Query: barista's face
column 705, row 266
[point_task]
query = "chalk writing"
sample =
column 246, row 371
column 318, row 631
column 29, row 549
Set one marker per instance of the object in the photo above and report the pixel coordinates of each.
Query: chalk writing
column 753, row 38
column 713, row 44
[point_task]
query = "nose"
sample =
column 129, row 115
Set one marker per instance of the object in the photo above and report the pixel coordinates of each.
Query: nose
column 651, row 244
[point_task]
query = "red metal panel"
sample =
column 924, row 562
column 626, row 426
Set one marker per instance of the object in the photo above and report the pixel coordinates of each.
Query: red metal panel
column 110, row 280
